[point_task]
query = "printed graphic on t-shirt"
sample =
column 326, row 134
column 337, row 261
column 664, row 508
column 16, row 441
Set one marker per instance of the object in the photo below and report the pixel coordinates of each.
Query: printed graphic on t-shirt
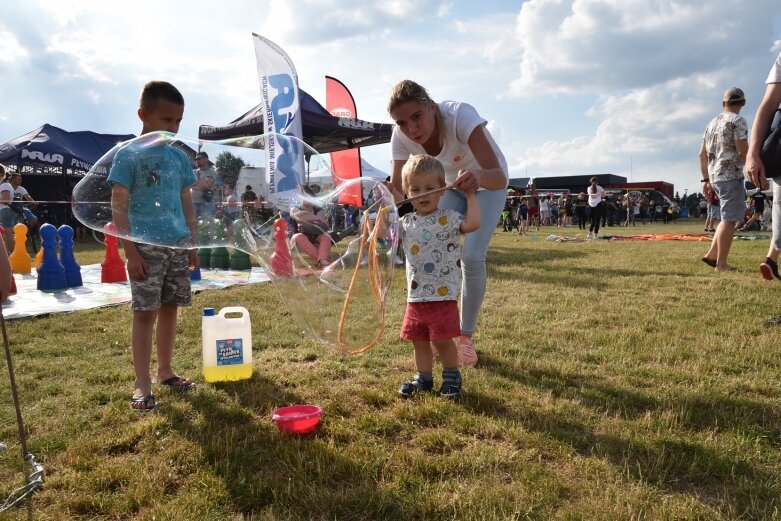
column 433, row 249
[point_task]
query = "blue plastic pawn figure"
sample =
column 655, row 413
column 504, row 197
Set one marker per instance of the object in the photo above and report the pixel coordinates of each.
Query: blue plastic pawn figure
column 72, row 268
column 51, row 272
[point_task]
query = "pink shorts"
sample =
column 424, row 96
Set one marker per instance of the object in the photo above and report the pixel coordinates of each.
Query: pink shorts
column 437, row 320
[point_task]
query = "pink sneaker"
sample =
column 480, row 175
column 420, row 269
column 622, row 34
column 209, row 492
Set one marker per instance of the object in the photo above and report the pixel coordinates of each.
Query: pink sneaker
column 466, row 352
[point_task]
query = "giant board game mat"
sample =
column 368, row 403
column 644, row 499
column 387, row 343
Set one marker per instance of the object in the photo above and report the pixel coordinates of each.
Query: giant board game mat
column 29, row 302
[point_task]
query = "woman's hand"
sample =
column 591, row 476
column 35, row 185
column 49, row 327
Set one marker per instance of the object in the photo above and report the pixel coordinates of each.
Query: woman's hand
column 467, row 182
column 754, row 170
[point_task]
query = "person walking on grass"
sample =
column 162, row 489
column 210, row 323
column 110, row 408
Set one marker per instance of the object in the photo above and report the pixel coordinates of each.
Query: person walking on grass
column 150, row 198
column 523, row 216
column 713, row 214
column 431, row 239
column 722, row 155
column 533, row 206
column 454, row 133
column 580, row 210
column 757, row 173
column 596, row 200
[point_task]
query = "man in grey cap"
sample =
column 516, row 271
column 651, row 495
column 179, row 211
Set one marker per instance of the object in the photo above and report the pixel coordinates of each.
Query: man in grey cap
column 722, row 155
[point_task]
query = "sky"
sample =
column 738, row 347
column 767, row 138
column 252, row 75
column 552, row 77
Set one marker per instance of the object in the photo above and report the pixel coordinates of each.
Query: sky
column 568, row 87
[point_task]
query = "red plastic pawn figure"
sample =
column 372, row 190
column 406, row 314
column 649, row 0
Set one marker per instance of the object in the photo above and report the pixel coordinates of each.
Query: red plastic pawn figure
column 281, row 260
column 112, row 269
column 12, row 288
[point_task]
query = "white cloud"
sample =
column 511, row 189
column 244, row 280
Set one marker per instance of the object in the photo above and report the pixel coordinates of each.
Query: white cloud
column 11, row 51
column 572, row 46
column 655, row 125
column 656, row 70
column 319, row 21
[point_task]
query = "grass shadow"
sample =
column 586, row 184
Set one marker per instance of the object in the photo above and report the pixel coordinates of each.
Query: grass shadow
column 265, row 470
column 668, row 463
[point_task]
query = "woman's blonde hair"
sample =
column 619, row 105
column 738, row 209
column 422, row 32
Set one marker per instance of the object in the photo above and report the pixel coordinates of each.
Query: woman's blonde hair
column 408, row 90
column 421, row 164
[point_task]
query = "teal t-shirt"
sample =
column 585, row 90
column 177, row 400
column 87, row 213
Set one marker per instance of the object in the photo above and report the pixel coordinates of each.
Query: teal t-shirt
column 155, row 176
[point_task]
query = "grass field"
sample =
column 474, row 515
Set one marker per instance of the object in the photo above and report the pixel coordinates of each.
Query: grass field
column 617, row 380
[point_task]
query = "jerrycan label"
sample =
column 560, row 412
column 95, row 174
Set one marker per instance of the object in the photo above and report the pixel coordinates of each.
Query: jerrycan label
column 230, row 351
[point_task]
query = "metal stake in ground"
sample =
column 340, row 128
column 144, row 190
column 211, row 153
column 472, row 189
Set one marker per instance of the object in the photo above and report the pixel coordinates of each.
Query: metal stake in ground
column 34, row 480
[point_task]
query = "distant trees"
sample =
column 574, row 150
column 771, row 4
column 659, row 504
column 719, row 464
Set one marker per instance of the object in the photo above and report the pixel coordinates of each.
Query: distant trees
column 229, row 166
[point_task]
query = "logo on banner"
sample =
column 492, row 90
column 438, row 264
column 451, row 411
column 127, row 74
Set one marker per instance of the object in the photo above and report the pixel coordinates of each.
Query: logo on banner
column 40, row 156
column 279, row 119
column 342, row 112
column 355, row 123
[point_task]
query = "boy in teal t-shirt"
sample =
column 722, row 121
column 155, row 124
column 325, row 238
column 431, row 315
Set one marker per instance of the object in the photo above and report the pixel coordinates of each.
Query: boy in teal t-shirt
column 151, row 202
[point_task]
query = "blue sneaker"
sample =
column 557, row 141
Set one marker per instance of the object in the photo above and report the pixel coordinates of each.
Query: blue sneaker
column 451, row 388
column 407, row 389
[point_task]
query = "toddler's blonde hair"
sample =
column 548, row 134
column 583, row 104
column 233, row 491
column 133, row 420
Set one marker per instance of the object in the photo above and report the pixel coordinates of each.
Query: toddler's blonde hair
column 421, row 164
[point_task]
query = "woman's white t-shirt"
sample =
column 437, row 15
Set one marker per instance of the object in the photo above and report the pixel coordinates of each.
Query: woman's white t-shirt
column 595, row 198
column 459, row 120
column 775, row 72
column 6, row 187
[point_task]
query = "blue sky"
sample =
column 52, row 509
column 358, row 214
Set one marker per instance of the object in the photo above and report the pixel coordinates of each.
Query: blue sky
column 568, row 86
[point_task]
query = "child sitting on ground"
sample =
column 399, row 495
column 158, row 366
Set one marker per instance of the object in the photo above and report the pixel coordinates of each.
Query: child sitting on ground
column 312, row 236
column 151, row 197
column 430, row 237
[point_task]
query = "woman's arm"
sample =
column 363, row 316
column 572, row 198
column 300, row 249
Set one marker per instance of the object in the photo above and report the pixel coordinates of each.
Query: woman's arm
column 754, row 168
column 398, row 164
column 490, row 176
column 472, row 218
column 6, row 197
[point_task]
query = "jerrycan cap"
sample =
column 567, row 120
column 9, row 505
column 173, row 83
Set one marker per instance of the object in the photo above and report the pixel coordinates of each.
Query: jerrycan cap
column 208, row 312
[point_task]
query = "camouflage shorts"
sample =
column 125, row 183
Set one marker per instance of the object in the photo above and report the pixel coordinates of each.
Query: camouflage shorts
column 167, row 281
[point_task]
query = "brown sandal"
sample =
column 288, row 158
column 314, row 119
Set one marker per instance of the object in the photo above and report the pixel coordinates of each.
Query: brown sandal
column 179, row 384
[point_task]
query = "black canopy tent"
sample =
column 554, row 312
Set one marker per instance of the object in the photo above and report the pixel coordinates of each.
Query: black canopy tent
column 52, row 160
column 52, row 150
column 322, row 131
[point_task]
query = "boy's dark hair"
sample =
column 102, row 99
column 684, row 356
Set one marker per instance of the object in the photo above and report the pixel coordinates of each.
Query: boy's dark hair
column 157, row 90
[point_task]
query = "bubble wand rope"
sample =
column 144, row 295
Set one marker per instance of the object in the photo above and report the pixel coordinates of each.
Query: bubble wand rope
column 374, row 272
column 408, row 199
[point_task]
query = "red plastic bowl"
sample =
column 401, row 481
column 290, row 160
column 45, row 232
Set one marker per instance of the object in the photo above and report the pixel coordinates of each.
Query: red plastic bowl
column 298, row 419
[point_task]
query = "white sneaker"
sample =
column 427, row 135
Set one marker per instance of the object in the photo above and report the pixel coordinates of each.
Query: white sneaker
column 398, row 261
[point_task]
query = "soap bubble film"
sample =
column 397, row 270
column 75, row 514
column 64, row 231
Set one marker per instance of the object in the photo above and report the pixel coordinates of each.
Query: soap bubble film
column 333, row 274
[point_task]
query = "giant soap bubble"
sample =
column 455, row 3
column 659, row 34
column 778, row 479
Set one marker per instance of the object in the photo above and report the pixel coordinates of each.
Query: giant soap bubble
column 337, row 296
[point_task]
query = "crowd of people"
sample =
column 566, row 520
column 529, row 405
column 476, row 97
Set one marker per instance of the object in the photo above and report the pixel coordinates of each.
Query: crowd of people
column 527, row 209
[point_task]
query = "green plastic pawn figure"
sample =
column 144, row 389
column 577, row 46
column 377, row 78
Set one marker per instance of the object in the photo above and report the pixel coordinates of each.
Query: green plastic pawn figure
column 239, row 259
